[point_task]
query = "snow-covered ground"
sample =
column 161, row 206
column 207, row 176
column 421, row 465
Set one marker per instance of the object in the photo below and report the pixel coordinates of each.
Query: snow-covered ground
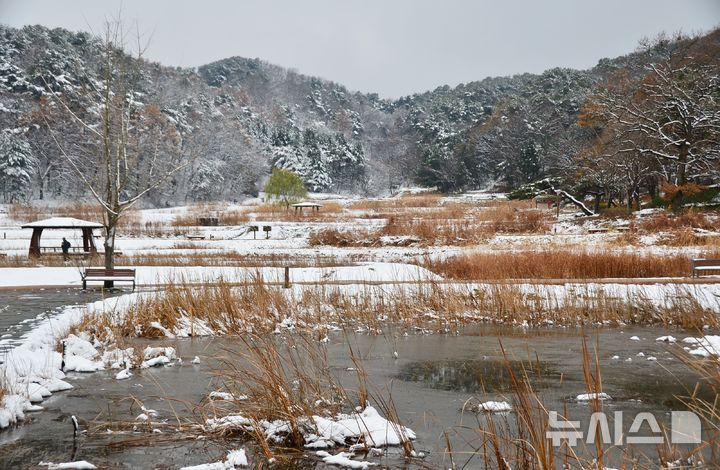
column 155, row 275
column 291, row 238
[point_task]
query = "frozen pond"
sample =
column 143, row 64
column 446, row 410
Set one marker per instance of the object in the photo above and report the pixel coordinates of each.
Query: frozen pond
column 431, row 380
column 22, row 309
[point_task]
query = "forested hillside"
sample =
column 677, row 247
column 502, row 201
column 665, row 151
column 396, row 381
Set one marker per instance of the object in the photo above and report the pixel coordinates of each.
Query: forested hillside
column 233, row 120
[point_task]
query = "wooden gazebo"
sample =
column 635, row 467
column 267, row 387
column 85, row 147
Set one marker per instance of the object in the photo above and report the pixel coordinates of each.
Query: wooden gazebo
column 313, row 206
column 62, row 223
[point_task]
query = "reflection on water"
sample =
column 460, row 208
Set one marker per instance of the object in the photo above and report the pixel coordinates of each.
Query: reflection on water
column 471, row 376
column 662, row 391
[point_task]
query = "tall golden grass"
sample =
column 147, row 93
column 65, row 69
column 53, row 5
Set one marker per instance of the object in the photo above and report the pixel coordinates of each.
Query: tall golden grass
column 688, row 237
column 446, row 227
column 707, row 409
column 560, row 264
column 330, row 211
column 27, row 212
column 189, row 218
column 233, row 259
column 688, row 219
column 287, row 380
column 406, row 201
column 201, row 258
column 259, row 307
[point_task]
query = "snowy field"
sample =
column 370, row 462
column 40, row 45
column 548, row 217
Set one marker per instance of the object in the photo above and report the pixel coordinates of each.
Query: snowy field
column 291, row 238
column 154, row 275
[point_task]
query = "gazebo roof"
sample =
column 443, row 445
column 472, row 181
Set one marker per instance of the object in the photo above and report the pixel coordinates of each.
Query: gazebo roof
column 307, row 204
column 62, row 223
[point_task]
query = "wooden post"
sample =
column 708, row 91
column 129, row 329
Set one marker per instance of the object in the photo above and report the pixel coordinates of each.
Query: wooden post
column 35, row 243
column 557, row 203
column 87, row 235
column 91, row 242
column 286, row 285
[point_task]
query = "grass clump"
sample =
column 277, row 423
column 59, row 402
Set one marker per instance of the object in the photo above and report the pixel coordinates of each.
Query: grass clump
column 263, row 309
column 559, row 264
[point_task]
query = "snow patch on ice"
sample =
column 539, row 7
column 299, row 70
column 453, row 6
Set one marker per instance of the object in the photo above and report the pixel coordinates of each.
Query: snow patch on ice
column 493, row 407
column 343, row 460
column 706, row 346
column 593, row 396
column 235, row 458
column 78, row 465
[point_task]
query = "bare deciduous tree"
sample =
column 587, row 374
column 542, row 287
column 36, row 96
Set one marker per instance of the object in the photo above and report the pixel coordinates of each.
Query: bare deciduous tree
column 130, row 148
column 673, row 117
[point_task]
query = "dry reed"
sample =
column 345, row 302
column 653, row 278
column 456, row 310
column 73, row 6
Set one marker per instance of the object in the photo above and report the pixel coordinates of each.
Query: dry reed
column 287, row 380
column 407, row 201
column 559, row 264
column 688, row 219
column 453, row 226
column 260, row 308
column 202, row 257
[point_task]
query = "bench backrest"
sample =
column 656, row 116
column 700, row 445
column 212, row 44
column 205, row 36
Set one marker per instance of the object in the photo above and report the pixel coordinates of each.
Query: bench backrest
column 93, row 272
column 705, row 262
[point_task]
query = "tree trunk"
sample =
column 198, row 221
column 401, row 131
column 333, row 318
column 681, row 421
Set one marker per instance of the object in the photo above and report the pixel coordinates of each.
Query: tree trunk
column 629, row 200
column 598, row 198
column 652, row 187
column 109, row 245
column 682, row 165
column 678, row 201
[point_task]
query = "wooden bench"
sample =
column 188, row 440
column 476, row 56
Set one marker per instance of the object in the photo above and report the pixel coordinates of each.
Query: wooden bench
column 102, row 274
column 704, row 266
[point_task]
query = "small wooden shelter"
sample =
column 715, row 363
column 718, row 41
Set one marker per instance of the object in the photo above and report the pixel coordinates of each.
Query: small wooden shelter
column 314, row 206
column 62, row 223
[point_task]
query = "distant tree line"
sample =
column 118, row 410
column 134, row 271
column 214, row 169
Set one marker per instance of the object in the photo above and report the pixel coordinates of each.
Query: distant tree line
column 640, row 125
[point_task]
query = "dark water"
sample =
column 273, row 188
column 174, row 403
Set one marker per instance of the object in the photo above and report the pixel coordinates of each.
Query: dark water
column 477, row 375
column 432, row 382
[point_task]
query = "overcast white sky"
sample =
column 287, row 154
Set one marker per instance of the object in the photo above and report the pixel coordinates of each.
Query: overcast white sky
column 392, row 47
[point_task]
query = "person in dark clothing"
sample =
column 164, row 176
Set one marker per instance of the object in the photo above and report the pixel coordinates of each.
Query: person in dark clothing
column 65, row 248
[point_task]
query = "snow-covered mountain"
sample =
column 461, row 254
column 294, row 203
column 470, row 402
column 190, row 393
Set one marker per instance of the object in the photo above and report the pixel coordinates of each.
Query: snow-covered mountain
column 238, row 117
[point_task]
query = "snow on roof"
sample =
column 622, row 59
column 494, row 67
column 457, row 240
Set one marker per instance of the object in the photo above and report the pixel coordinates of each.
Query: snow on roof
column 307, row 204
column 62, row 222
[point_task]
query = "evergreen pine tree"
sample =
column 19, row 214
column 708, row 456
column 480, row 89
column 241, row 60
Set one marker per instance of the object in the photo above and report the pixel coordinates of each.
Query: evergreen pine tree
column 16, row 165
